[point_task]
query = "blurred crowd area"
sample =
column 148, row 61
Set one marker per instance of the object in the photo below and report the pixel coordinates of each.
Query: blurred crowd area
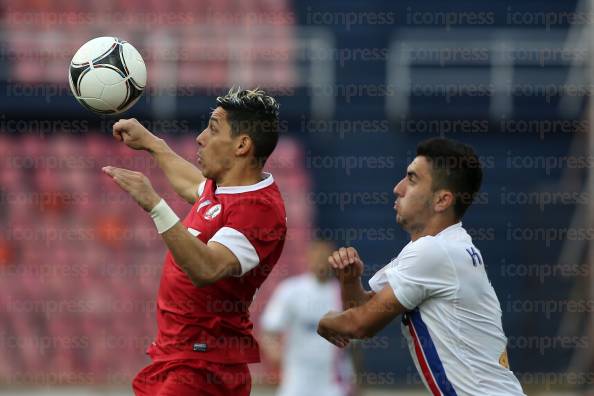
column 42, row 36
column 80, row 261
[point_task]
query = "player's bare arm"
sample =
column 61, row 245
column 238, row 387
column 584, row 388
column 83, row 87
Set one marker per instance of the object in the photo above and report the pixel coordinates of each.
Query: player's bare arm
column 348, row 267
column 363, row 321
column 183, row 175
column 204, row 264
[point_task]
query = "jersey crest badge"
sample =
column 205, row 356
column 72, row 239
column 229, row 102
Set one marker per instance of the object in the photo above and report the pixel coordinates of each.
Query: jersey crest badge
column 212, row 212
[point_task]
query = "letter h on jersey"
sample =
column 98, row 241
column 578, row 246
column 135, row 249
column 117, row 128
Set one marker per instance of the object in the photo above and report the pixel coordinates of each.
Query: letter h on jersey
column 475, row 256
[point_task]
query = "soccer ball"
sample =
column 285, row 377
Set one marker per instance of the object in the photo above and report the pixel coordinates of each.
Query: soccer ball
column 107, row 75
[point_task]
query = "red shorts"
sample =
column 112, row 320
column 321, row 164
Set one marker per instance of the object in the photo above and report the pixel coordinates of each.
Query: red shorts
column 193, row 377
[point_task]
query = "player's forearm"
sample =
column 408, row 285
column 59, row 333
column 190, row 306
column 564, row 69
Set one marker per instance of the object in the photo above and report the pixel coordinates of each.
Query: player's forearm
column 353, row 294
column 193, row 256
column 365, row 320
column 343, row 324
column 351, row 324
column 183, row 175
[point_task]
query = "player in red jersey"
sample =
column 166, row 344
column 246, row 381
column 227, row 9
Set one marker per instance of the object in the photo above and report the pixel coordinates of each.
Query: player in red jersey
column 219, row 255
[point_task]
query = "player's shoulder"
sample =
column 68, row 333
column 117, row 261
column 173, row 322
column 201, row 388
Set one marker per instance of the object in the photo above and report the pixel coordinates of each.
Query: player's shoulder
column 268, row 197
column 258, row 208
column 428, row 247
column 427, row 260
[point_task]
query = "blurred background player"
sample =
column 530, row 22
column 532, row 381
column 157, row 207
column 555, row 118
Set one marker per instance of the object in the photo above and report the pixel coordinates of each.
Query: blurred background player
column 451, row 314
column 219, row 255
column 310, row 365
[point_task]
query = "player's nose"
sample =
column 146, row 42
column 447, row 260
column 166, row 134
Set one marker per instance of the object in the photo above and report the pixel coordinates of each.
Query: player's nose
column 200, row 138
column 400, row 188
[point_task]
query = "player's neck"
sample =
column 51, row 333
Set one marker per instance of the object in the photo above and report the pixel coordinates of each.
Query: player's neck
column 244, row 176
column 432, row 228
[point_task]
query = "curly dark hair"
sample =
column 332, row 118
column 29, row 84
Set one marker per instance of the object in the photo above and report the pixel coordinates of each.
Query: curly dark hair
column 253, row 112
column 456, row 168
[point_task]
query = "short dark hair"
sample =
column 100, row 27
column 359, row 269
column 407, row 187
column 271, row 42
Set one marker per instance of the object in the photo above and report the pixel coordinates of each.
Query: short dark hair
column 455, row 167
column 255, row 113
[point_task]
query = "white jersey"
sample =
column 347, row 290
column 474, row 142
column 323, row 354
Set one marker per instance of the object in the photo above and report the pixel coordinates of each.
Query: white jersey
column 453, row 326
column 311, row 365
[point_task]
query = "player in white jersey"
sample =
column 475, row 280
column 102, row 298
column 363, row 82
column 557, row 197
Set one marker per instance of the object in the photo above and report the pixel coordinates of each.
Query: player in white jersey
column 451, row 316
column 310, row 365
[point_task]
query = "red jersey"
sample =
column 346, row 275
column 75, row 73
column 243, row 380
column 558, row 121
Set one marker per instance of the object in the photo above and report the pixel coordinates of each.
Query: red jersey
column 212, row 323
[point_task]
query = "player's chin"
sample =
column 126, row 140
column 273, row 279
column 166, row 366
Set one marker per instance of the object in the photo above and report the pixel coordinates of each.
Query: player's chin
column 203, row 169
column 207, row 174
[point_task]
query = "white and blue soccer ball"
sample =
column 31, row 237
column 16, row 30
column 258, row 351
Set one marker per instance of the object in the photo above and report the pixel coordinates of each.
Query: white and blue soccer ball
column 107, row 75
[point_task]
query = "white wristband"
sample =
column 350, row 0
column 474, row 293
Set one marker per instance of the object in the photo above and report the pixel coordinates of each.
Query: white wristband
column 163, row 216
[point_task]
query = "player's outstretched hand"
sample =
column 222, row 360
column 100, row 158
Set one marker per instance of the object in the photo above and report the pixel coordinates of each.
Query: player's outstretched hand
column 136, row 184
column 332, row 336
column 346, row 263
column 133, row 134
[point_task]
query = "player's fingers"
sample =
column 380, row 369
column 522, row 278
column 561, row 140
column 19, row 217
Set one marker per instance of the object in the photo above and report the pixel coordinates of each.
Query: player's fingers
column 124, row 185
column 124, row 123
column 112, row 170
column 119, row 126
column 332, row 262
column 337, row 259
column 121, row 178
column 117, row 134
column 124, row 176
column 338, row 340
column 122, row 128
column 329, row 336
column 343, row 256
column 342, row 342
column 352, row 254
column 128, row 172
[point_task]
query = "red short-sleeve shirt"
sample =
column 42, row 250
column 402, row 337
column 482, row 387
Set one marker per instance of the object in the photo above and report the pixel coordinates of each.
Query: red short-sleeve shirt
column 212, row 323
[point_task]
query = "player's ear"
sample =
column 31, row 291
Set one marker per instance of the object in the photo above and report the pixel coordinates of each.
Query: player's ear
column 244, row 144
column 442, row 200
